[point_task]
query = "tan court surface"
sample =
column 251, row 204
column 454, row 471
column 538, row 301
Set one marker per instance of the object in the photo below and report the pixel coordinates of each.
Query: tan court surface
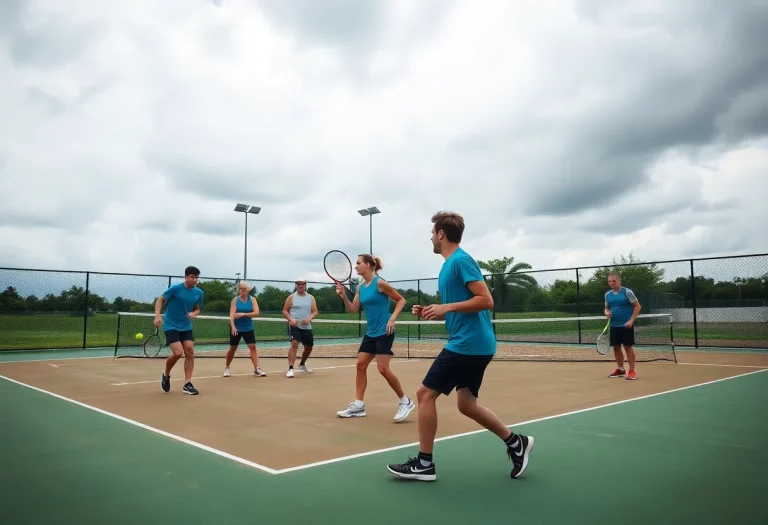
column 271, row 420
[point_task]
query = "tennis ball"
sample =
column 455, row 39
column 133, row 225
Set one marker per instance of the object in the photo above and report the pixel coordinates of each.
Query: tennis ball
column 139, row 336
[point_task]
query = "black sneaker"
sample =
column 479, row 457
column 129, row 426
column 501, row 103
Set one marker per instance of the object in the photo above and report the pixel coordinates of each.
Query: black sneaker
column 413, row 469
column 518, row 452
column 165, row 383
column 189, row 389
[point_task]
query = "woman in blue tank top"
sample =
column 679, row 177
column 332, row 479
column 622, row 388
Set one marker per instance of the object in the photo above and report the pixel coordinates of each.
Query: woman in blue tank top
column 242, row 310
column 374, row 294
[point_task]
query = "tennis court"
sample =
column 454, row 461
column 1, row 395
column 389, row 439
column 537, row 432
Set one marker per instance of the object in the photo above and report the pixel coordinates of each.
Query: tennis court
column 94, row 440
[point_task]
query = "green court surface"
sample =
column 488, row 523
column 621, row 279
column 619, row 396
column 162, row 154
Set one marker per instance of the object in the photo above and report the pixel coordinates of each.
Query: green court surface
column 697, row 455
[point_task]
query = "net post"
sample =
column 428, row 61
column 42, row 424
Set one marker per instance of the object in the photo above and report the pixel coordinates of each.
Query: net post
column 578, row 303
column 85, row 309
column 117, row 335
column 672, row 336
column 693, row 308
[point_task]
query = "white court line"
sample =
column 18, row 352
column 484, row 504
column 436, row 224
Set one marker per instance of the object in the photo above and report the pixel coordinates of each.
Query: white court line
column 556, row 416
column 251, row 373
column 151, row 429
column 372, row 452
column 728, row 366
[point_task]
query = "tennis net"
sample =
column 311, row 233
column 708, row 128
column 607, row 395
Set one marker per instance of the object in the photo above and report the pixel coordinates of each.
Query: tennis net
column 533, row 339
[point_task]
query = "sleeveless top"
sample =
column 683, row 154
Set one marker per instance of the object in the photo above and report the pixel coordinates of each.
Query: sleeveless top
column 244, row 324
column 301, row 308
column 376, row 306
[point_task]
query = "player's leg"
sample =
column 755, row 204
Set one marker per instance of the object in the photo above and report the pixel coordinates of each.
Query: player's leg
column 188, row 343
column 308, row 341
column 384, row 354
column 471, row 374
column 440, row 379
column 234, row 341
column 250, row 340
column 295, row 335
column 615, row 342
column 628, row 340
column 173, row 339
column 365, row 355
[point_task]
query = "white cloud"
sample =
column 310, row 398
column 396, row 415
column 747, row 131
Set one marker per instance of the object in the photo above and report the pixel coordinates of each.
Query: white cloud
column 566, row 134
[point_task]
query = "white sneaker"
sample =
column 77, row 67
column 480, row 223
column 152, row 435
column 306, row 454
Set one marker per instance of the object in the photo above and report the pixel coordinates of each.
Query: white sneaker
column 226, row 372
column 403, row 409
column 290, row 373
column 305, row 369
column 352, row 411
column 259, row 372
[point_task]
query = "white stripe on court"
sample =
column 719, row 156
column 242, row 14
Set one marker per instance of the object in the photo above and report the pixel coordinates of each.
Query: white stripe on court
column 727, row 366
column 151, row 429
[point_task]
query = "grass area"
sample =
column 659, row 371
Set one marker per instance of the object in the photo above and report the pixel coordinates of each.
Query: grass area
column 40, row 331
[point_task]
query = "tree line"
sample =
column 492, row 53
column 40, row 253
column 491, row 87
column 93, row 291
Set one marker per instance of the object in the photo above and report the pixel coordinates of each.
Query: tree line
column 513, row 289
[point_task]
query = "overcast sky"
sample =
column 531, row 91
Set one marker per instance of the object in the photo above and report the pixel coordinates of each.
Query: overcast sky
column 566, row 132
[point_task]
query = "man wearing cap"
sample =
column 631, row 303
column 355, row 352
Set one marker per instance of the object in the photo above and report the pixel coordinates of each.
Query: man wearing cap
column 300, row 308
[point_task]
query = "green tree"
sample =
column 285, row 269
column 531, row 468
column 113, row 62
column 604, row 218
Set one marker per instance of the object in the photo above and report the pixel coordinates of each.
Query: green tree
column 635, row 274
column 506, row 284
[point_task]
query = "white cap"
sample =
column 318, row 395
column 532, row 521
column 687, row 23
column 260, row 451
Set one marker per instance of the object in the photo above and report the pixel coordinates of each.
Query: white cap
column 301, row 280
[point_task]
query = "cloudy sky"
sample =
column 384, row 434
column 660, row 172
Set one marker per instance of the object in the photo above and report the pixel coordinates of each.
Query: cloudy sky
column 566, row 132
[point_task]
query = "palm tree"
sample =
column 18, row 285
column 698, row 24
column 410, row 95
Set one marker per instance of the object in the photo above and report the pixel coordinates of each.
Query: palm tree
column 505, row 280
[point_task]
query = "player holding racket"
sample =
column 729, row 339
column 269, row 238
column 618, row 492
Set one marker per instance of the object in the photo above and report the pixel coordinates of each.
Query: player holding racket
column 461, row 364
column 374, row 294
column 622, row 307
column 184, row 303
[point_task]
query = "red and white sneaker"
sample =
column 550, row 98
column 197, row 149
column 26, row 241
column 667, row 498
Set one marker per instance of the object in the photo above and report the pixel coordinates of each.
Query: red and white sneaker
column 619, row 372
column 631, row 375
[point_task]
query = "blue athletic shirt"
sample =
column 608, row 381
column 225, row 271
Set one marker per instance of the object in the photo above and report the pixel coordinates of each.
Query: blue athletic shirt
column 467, row 333
column 621, row 305
column 244, row 324
column 376, row 306
column 180, row 301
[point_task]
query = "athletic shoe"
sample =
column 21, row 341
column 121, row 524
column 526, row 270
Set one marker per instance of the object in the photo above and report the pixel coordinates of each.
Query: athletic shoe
column 189, row 389
column 403, row 409
column 165, row 383
column 413, row 469
column 518, row 452
column 305, row 369
column 619, row 372
column 352, row 411
column 226, row 372
column 631, row 375
column 259, row 372
column 289, row 373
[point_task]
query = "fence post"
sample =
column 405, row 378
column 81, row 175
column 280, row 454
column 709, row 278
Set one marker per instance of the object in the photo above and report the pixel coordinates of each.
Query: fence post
column 693, row 307
column 418, row 299
column 85, row 311
column 578, row 301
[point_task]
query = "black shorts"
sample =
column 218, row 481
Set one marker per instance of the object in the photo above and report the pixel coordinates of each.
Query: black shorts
column 453, row 370
column 305, row 337
column 381, row 345
column 249, row 337
column 178, row 336
column 622, row 335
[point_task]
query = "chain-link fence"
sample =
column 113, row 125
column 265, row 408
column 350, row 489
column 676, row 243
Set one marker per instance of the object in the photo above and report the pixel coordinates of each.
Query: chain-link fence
column 714, row 302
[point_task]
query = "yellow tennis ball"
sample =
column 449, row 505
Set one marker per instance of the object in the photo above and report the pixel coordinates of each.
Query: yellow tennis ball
column 139, row 336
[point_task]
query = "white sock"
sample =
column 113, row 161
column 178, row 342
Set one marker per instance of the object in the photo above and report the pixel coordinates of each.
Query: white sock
column 359, row 404
column 404, row 400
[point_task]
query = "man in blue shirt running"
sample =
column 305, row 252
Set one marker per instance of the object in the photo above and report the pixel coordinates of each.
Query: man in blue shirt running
column 184, row 303
column 461, row 364
column 622, row 308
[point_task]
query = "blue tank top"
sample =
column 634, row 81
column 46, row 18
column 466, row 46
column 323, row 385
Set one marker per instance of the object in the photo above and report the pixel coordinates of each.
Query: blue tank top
column 244, row 324
column 376, row 306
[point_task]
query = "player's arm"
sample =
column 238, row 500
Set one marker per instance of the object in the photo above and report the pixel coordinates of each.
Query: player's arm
column 481, row 299
column 351, row 306
column 159, row 305
column 287, row 310
column 607, row 310
column 256, row 310
column 232, row 313
column 313, row 313
column 632, row 298
column 389, row 291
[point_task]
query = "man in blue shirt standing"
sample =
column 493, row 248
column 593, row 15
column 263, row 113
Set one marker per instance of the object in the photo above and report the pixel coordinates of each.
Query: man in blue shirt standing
column 622, row 307
column 184, row 303
column 461, row 364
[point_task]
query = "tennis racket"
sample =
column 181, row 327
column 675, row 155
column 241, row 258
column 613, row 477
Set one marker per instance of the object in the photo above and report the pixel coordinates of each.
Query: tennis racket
column 339, row 268
column 152, row 344
column 604, row 340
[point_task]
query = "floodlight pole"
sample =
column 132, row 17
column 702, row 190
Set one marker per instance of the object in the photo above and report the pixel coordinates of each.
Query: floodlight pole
column 246, row 209
column 370, row 212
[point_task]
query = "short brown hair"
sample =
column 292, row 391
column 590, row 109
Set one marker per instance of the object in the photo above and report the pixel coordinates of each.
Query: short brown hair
column 374, row 262
column 452, row 224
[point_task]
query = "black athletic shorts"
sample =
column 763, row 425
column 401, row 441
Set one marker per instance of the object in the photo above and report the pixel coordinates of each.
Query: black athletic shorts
column 453, row 370
column 381, row 345
column 305, row 337
column 249, row 337
column 178, row 336
column 622, row 335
